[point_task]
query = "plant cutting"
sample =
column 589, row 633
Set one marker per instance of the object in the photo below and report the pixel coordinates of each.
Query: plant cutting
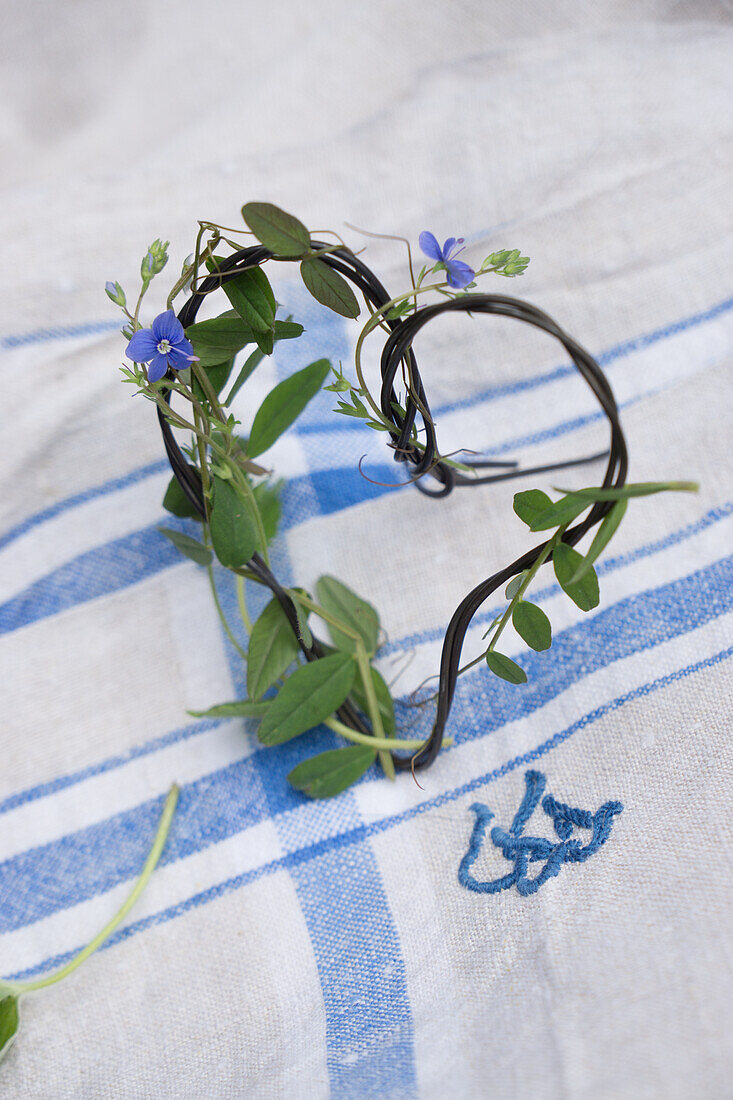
column 310, row 656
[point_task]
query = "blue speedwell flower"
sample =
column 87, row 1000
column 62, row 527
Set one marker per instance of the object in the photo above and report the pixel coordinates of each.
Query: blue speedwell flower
column 161, row 346
column 459, row 273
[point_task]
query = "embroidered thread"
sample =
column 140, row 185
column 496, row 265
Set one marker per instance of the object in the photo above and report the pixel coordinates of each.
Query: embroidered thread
column 522, row 850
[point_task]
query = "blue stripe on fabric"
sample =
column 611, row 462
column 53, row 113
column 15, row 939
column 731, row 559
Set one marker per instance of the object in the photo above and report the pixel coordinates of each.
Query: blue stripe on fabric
column 369, row 1028
column 360, row 832
column 616, row 352
column 58, row 332
column 141, row 554
column 36, row 882
column 96, row 573
column 609, row 565
column 156, row 744
column 103, row 490
column 42, row 790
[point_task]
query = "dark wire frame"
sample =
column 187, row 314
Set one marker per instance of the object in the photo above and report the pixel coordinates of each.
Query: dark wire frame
column 399, row 349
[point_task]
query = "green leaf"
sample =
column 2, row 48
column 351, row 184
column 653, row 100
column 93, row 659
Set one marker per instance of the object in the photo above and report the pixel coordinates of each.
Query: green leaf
column 252, row 297
column 240, row 708
column 354, row 612
column 531, row 624
column 308, row 696
column 514, row 585
column 233, row 530
column 272, row 647
column 218, row 340
column 584, row 592
column 385, row 702
column 10, row 1017
column 603, row 536
column 505, row 668
column 531, row 504
column 282, row 233
column 283, row 404
column 331, row 772
column 540, row 513
column 176, row 501
column 329, row 288
column 638, row 489
column 265, row 342
column 287, row 330
column 190, row 548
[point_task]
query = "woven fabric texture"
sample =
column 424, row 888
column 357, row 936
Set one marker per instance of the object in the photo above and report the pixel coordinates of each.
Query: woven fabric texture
column 289, row 948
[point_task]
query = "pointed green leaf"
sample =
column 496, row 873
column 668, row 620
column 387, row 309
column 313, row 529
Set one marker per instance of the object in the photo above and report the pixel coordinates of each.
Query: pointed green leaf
column 282, row 233
column 584, row 592
column 287, row 330
column 218, row 340
column 284, row 404
column 353, row 612
column 385, row 702
column 265, row 341
column 177, row 503
column 331, row 772
column 189, row 547
column 603, row 536
column 329, row 288
column 253, row 299
column 505, row 668
column 240, row 708
column 272, row 648
column 638, row 489
column 309, row 695
column 10, row 1018
column 532, row 625
column 233, row 531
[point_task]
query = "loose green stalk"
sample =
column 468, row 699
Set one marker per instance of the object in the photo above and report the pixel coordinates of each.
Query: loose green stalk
column 17, row 988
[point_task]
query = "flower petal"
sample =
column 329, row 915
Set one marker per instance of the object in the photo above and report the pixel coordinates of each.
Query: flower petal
column 178, row 358
column 157, row 368
column 186, row 347
column 166, row 326
column 430, row 246
column 459, row 274
column 448, row 247
column 142, row 346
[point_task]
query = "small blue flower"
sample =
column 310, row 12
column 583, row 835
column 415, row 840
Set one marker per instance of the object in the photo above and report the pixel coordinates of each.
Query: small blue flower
column 459, row 273
column 161, row 346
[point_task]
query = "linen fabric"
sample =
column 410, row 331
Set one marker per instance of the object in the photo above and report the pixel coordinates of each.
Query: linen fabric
column 290, row 948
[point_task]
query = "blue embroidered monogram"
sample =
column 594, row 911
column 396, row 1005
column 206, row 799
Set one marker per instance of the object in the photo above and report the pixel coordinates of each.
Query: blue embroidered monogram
column 522, row 850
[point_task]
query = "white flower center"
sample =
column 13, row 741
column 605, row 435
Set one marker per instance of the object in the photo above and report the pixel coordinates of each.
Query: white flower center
column 164, row 347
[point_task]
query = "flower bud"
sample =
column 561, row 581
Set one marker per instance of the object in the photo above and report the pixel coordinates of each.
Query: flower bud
column 115, row 293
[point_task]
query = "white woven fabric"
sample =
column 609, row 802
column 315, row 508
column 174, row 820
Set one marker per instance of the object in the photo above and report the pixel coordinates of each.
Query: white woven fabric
column 286, row 948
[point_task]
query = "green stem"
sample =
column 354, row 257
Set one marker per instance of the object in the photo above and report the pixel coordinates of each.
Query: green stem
column 374, row 742
column 237, row 474
column 155, row 852
column 222, row 616
column 242, row 601
column 385, row 758
column 531, row 573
